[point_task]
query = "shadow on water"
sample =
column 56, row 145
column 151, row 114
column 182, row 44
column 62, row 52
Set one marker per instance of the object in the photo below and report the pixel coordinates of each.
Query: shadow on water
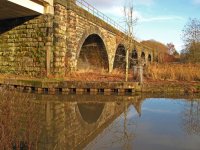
column 34, row 121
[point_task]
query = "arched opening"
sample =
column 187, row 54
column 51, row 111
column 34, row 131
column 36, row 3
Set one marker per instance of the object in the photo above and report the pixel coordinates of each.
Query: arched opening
column 149, row 58
column 120, row 57
column 93, row 54
column 134, row 58
column 90, row 112
column 143, row 58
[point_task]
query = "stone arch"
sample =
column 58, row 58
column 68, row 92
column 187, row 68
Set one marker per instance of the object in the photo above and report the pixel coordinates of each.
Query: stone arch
column 90, row 112
column 134, row 57
column 149, row 58
column 83, row 120
column 143, row 58
column 120, row 56
column 93, row 50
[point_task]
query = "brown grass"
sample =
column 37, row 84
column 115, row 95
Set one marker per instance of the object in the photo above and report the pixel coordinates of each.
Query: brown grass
column 98, row 75
column 179, row 72
column 88, row 74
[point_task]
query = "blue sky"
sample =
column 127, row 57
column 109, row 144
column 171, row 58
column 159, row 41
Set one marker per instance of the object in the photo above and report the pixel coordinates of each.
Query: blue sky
column 161, row 20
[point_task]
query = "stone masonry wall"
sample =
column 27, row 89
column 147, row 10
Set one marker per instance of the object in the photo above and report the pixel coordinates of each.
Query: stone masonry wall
column 77, row 24
column 24, row 43
column 60, row 37
column 46, row 45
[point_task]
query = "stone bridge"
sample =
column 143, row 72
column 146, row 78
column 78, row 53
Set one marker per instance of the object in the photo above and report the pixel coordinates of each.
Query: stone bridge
column 62, row 36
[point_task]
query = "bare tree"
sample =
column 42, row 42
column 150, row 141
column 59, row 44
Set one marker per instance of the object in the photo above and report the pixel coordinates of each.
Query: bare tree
column 171, row 48
column 130, row 21
column 191, row 38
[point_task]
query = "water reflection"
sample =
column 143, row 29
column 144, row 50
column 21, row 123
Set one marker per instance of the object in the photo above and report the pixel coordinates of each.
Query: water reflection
column 90, row 112
column 191, row 117
column 49, row 122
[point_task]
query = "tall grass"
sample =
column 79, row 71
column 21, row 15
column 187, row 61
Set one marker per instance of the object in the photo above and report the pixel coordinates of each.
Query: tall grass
column 98, row 75
column 180, row 72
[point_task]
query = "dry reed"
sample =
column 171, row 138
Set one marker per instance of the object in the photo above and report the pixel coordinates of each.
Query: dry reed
column 98, row 75
column 180, row 72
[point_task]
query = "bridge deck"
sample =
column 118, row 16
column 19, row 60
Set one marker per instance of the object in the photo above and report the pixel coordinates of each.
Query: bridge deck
column 20, row 8
column 55, row 86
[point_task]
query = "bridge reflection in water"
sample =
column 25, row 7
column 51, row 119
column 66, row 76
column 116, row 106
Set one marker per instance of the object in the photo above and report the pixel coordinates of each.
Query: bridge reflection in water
column 73, row 124
column 99, row 122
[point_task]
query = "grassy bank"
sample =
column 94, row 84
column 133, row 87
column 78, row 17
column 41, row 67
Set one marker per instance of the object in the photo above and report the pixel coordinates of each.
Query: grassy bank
column 178, row 72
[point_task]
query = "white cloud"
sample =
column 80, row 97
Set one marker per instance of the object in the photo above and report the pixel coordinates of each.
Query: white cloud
column 159, row 18
column 196, row 1
column 112, row 3
column 105, row 3
column 142, row 18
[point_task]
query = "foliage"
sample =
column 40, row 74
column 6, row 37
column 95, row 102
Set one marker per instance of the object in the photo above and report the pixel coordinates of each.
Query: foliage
column 181, row 72
column 191, row 38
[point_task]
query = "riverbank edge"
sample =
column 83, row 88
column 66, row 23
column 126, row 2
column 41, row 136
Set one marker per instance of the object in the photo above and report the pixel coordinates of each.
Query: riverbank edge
column 63, row 86
column 170, row 87
column 54, row 85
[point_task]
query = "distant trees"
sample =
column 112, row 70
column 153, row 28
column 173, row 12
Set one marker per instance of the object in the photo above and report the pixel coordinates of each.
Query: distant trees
column 165, row 53
column 173, row 55
column 171, row 48
column 191, row 38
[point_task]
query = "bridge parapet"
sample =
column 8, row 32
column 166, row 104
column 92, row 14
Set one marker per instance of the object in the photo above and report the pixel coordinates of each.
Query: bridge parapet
column 99, row 14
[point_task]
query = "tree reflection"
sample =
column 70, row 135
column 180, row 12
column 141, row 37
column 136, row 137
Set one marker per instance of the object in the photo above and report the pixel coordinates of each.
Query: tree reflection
column 20, row 121
column 191, row 117
column 127, row 135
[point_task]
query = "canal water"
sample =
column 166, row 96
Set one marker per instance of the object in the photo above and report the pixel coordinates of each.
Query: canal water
column 99, row 122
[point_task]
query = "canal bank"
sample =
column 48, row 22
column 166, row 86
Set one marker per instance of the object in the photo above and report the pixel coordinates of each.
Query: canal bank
column 54, row 86
column 163, row 86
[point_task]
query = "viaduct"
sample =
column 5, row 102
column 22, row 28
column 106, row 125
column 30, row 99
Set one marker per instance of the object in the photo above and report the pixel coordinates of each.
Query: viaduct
column 54, row 37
